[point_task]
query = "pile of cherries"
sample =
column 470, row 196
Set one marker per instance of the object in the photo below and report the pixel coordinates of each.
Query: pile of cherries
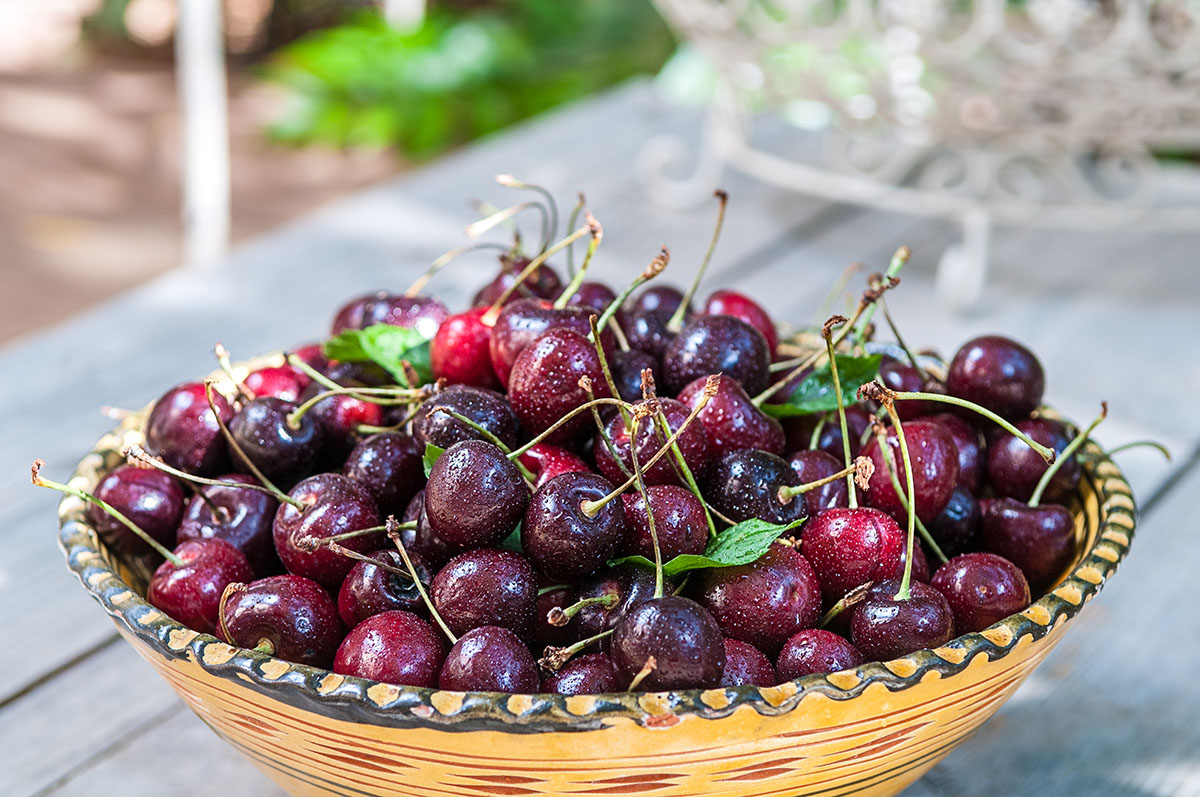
column 513, row 523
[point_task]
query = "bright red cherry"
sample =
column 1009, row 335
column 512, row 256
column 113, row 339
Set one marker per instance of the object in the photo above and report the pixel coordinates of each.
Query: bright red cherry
column 741, row 306
column 191, row 593
column 460, row 352
column 395, row 647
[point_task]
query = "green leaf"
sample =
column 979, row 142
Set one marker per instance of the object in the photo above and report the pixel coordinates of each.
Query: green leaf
column 432, row 453
column 737, row 545
column 816, row 394
column 385, row 345
column 513, row 541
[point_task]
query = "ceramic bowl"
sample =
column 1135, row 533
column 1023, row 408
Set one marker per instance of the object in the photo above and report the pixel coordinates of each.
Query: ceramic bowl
column 872, row 730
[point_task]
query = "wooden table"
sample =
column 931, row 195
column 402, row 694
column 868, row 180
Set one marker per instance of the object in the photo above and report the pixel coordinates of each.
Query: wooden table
column 1115, row 316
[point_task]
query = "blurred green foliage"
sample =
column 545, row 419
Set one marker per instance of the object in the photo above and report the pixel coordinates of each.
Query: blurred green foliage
column 464, row 73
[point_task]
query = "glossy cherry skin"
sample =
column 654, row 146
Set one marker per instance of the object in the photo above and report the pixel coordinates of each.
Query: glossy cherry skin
column 546, row 461
column 935, row 469
column 684, row 640
column 903, row 378
column 475, row 496
column 524, row 321
column 971, row 446
column 265, row 434
column 679, row 522
column 594, row 296
column 954, row 530
column 243, row 519
column 627, row 367
column 390, row 465
column 742, row 307
column 883, row 627
column 460, row 352
column 544, row 283
column 182, row 430
column 1014, row 469
column 997, row 373
column 485, row 407
column 544, row 385
column 982, row 589
column 278, row 381
column 647, row 332
column 333, row 505
column 1040, row 540
column 422, row 540
column 359, row 374
column 732, row 422
column 662, row 300
column 369, row 589
column 153, row 500
column 811, row 466
column 849, row 547
column 745, row 484
column 718, row 344
column 815, row 650
column 339, row 417
column 693, row 444
column 764, row 602
column 312, row 355
column 295, row 615
column 191, row 593
column 489, row 659
column 628, row 585
column 487, row 586
column 394, row 647
column 593, row 674
column 422, row 313
column 561, row 539
column 544, row 634
column 746, row 665
column 829, row 439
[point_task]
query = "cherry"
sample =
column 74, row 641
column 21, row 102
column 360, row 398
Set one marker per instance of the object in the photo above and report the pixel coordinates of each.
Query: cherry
column 972, row 457
column 811, row 466
column 240, row 517
column 884, row 626
column 552, row 597
column 746, row 665
column 849, row 547
column 816, row 651
column 333, row 505
column 764, row 602
column 594, row 296
column 290, row 617
column 679, row 520
column 369, row 589
column 742, row 307
column 573, row 526
column 359, row 374
column 593, row 674
column 312, row 355
column 489, row 659
column 191, row 592
column 524, row 321
column 647, row 332
column 1038, row 539
column 620, row 587
column 935, row 469
column 278, row 381
column 475, row 496
column 662, row 300
column 982, row 589
column 421, row 538
column 627, row 367
column 486, row 586
column 390, row 466
column 395, row 647
column 900, row 376
column 546, row 461
column 545, row 383
column 731, row 419
column 829, row 439
column 745, row 484
column 339, row 417
column 460, row 352
column 281, row 445
column 692, row 443
column 153, row 500
column 422, row 313
column 182, row 430
column 999, row 374
column 485, row 407
column 1014, row 468
column 668, row 643
column 955, row 529
column 544, row 283
column 717, row 345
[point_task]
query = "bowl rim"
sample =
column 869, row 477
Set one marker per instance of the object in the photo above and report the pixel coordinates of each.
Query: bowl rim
column 364, row 700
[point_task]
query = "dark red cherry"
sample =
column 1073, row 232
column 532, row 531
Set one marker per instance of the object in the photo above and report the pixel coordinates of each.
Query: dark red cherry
column 486, row 586
column 359, row 374
column 545, row 634
column 662, row 300
column 593, row 674
column 333, row 505
column 544, row 283
column 489, row 659
column 972, row 449
column 884, row 627
column 150, row 498
column 746, row 665
column 627, row 367
column 935, row 469
column 524, row 321
column 624, row 585
column 191, row 593
column 693, row 444
column 981, row 588
column 546, row 461
column 849, row 547
column 460, row 352
column 999, row 374
column 422, row 313
column 679, row 522
column 742, row 307
column 475, row 496
column 421, row 539
column 369, row 589
column 390, row 465
column 559, row 535
column 903, row 378
column 395, row 647
column 647, row 332
column 745, row 484
column 732, row 421
column 683, row 639
column 815, row 650
column 1014, row 469
column 485, row 407
column 594, row 296
column 312, row 355
column 339, row 417
column 278, row 381
column 811, row 466
column 182, row 430
column 544, row 385
column 718, row 344
column 291, row 616
column 829, row 439
column 242, row 518
column 765, row 602
column 1038, row 539
column 954, row 530
column 264, row 431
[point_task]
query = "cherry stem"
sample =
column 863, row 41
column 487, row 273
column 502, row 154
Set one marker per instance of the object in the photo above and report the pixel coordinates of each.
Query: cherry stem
column 500, row 216
column 1066, row 454
column 264, row 646
column 445, row 259
column 893, row 270
column 676, row 322
column 369, row 395
column 509, row 181
column 641, row 488
column 861, row 465
column 1162, row 449
column 597, row 233
column 489, row 318
column 585, row 407
column 594, row 336
column 912, row 358
column 226, row 594
column 827, row 333
column 652, row 270
column 559, row 617
column 491, row 438
column 815, row 437
column 310, row 543
column 159, row 548
column 650, row 666
column 349, row 553
column 889, row 464
column 1046, row 453
column 219, row 513
column 233, row 443
column 137, row 455
column 393, row 532
column 225, row 363
column 839, row 286
column 849, row 600
column 686, row 472
column 906, row 581
column 586, row 384
column 579, row 206
column 310, row 372
column 554, row 658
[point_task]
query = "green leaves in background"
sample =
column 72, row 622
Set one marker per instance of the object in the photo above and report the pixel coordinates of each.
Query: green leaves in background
column 386, row 346
column 737, row 545
column 816, row 393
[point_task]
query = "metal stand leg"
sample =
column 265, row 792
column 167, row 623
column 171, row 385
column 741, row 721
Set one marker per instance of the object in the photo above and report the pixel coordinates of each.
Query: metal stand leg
column 962, row 270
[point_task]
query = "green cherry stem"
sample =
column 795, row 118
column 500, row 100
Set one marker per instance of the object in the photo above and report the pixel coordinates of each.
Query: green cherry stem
column 487, row 223
column 906, row 581
column 585, row 407
column 1066, row 454
column 890, row 465
column 445, row 259
column 554, row 658
column 851, row 598
column 235, row 446
column 1162, row 449
column 310, row 544
column 641, row 488
column 686, row 472
column 393, row 532
column 651, row 271
column 559, row 617
column 135, row 454
column 225, row 363
column 342, row 550
column 827, row 334
column 597, row 233
column 586, row 383
column 489, row 318
column 860, row 467
column 487, row 434
column 509, row 181
column 598, row 345
column 890, row 276
column 1045, row 452
column 579, row 206
column 310, row 372
column 676, row 322
column 912, row 358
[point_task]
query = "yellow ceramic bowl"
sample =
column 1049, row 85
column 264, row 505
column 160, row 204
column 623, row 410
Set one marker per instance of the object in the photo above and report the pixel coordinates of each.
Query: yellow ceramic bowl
column 872, row 730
